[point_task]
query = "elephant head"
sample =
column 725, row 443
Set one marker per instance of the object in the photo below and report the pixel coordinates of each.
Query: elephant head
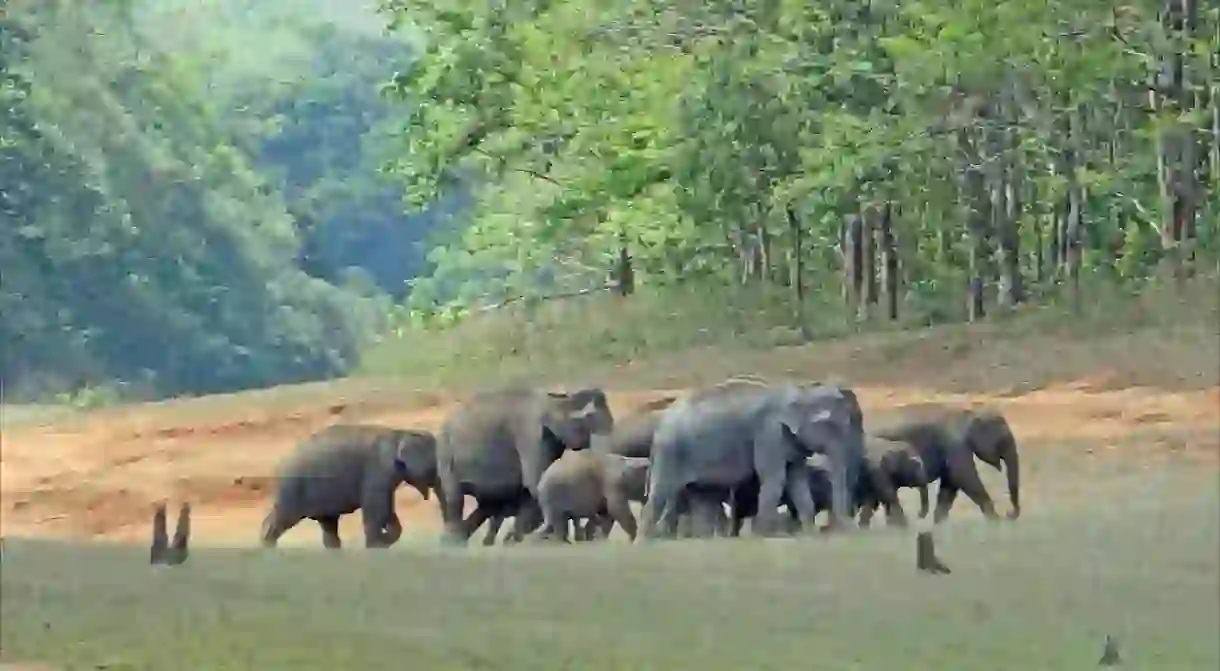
column 635, row 477
column 826, row 419
column 990, row 438
column 415, row 459
column 569, row 420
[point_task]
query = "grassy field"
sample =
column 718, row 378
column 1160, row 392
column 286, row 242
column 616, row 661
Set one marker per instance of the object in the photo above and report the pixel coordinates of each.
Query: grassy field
column 1138, row 561
column 1118, row 420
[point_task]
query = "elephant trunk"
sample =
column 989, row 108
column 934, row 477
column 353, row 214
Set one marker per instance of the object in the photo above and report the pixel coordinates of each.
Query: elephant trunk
column 844, row 471
column 923, row 499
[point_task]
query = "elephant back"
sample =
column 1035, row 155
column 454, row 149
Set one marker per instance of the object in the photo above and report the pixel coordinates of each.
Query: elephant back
column 632, row 435
column 324, row 475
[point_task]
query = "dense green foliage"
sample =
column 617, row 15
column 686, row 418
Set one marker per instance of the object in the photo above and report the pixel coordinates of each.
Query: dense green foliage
column 306, row 105
column 905, row 151
column 193, row 195
column 185, row 192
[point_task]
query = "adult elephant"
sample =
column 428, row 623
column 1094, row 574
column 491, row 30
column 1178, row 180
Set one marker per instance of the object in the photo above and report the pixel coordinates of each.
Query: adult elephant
column 496, row 445
column 719, row 438
column 948, row 439
column 348, row 467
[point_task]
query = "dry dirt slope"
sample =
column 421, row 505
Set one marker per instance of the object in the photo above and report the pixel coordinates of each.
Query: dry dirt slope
column 1120, row 490
column 98, row 478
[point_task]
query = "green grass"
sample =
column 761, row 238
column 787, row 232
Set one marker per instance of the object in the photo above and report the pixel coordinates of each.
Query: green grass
column 1138, row 561
column 695, row 333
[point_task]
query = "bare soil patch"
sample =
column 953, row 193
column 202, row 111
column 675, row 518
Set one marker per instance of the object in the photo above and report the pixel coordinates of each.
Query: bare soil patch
column 99, row 479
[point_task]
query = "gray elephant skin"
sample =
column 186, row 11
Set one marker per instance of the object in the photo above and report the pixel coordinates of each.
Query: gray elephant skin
column 632, row 437
column 496, row 445
column 948, row 439
column 721, row 437
column 889, row 466
column 588, row 485
column 349, row 467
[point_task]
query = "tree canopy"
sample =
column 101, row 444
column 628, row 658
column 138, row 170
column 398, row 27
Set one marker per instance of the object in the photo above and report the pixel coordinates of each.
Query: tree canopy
column 197, row 198
column 917, row 151
column 153, row 235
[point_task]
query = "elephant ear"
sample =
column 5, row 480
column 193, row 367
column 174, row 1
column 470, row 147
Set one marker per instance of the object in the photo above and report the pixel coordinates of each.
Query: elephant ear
column 912, row 463
column 988, row 435
column 403, row 442
column 586, row 406
column 791, row 425
column 554, row 444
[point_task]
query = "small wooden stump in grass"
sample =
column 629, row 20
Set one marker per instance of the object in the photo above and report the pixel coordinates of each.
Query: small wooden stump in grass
column 925, row 555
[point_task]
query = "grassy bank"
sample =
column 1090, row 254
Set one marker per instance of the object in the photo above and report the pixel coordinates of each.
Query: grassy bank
column 1037, row 594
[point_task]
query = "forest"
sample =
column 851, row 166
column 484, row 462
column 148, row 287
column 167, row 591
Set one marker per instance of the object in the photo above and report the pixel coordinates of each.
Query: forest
column 201, row 198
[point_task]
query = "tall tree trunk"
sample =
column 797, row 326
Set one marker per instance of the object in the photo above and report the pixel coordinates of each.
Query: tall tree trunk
column 868, row 254
column 976, row 209
column 797, row 269
column 889, row 261
column 765, row 269
column 1005, row 208
column 853, row 269
column 1176, row 164
column 1074, row 215
column 1039, row 233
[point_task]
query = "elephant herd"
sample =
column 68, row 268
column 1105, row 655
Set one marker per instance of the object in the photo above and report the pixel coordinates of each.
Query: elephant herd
column 777, row 453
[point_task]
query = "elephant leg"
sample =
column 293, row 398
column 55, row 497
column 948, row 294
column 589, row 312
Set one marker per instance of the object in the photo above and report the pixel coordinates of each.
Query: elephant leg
column 380, row 531
column 381, row 526
column 800, row 499
column 657, row 517
column 945, row 495
column 478, row 516
column 868, row 506
column 735, row 524
column 392, row 531
column 720, row 519
column 602, row 526
column 559, row 527
column 738, row 507
column 885, row 492
column 703, row 509
column 526, row 520
column 770, row 491
column 330, row 531
column 923, row 500
column 965, row 477
column 618, row 511
column 493, row 529
column 276, row 524
column 599, row 528
column 457, row 530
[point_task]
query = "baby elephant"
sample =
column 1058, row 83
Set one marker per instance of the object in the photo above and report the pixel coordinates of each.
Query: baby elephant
column 349, row 467
column 590, row 484
column 889, row 466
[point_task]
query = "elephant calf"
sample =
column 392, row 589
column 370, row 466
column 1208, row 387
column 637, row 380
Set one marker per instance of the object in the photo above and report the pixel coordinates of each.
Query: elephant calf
column 349, row 467
column 590, row 484
column 947, row 440
column 887, row 465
